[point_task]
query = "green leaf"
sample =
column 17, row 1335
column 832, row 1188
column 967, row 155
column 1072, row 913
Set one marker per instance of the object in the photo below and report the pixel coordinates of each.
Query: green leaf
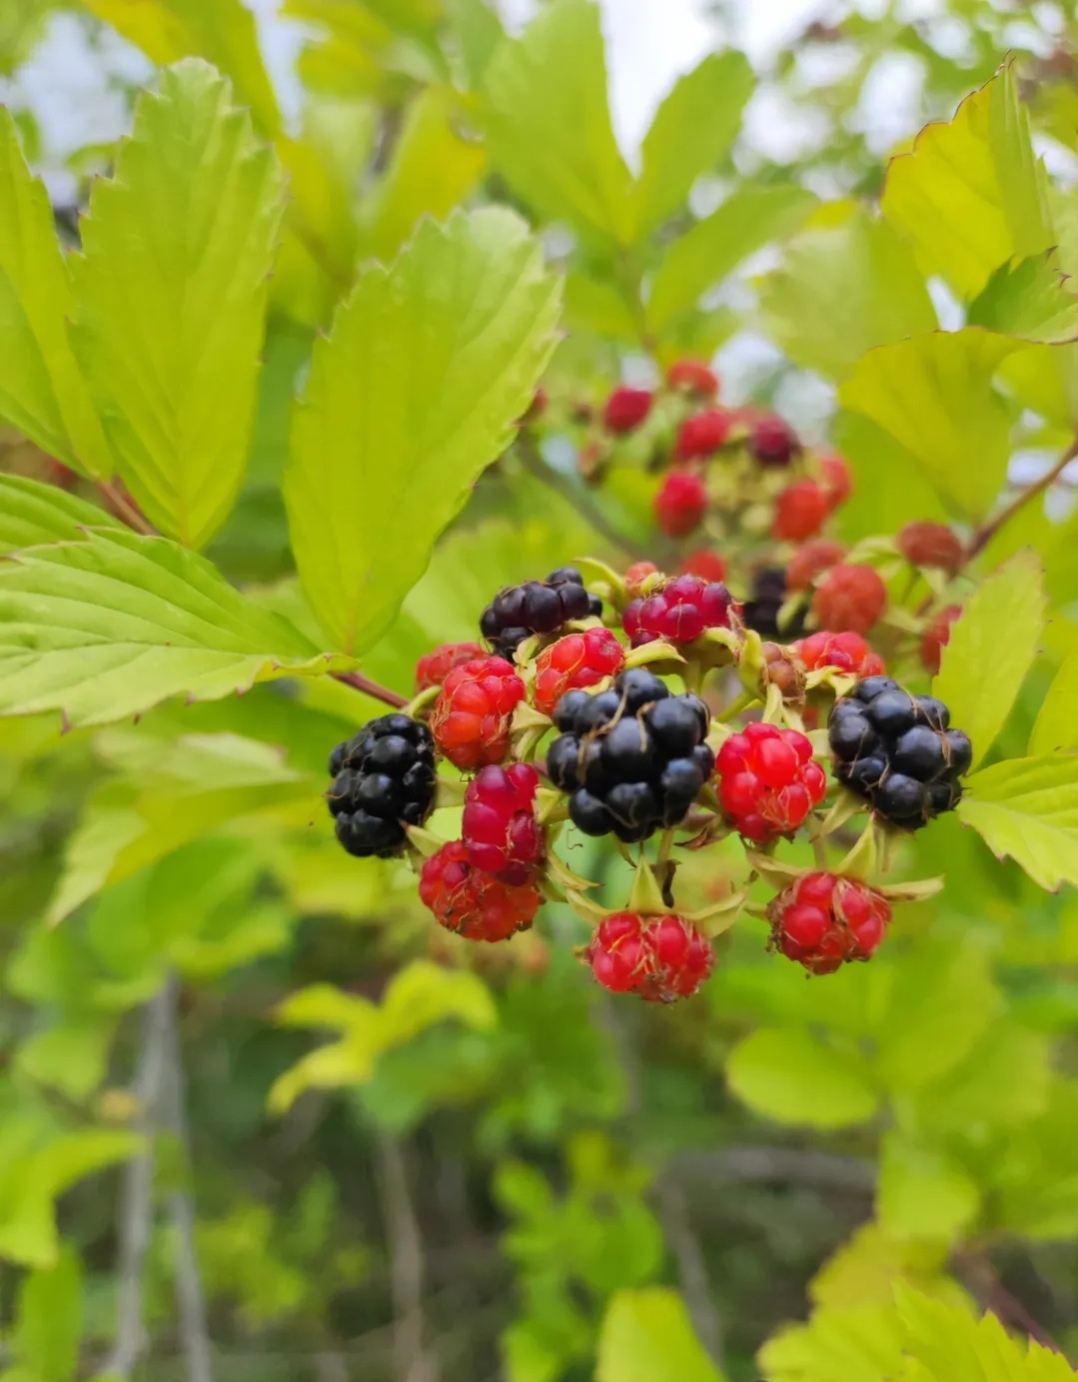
column 843, row 289
column 432, row 171
column 933, row 394
column 42, row 392
column 749, row 219
column 890, row 488
column 48, row 1324
column 647, row 1336
column 479, row 35
column 1012, row 599
column 32, row 513
column 596, row 305
column 171, row 298
column 839, row 1345
column 922, row 1193
column 1028, row 298
column 1056, row 726
column 412, row 395
column 1027, row 809
column 108, row 627
column 72, row 1057
column 790, row 1076
column 972, row 195
column 692, row 131
column 951, row 1346
column 548, row 123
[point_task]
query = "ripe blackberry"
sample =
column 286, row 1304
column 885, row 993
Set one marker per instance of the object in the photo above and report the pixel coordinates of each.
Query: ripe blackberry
column 659, row 958
column 768, row 781
column 433, row 668
column 471, row 718
column 897, row 751
column 626, row 409
column 701, row 436
column 823, row 921
column 693, row 377
column 679, row 611
column 501, row 835
column 936, row 637
column 681, row 503
column 632, row 758
column 518, row 611
column 574, row 662
column 850, row 599
column 472, row 903
column 383, row 780
column 772, row 441
column 761, row 609
column 800, row 512
column 847, row 652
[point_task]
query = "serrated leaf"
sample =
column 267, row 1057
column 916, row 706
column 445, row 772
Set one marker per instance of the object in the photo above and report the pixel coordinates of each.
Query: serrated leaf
column 548, row 123
column 950, row 1345
column 843, row 289
column 1030, row 298
column 933, row 394
column 1012, row 599
column 32, row 513
column 433, row 170
column 171, row 299
column 42, row 392
column 1056, row 726
column 923, row 1193
column 749, row 219
column 788, row 1075
column 415, row 392
column 647, row 1336
column 1027, row 809
column 108, row 627
column 839, row 1345
column 693, row 129
column 972, row 194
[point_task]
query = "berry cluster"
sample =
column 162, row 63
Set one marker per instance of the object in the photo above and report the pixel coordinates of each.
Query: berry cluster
column 383, row 780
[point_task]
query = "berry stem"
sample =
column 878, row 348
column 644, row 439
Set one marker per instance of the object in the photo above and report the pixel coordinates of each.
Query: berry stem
column 532, row 460
column 126, row 510
column 987, row 531
column 359, row 682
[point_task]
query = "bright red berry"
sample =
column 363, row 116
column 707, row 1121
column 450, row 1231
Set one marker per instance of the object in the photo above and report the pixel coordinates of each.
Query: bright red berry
column 574, row 662
column 694, row 377
column 708, row 565
column 836, row 478
column 626, row 409
column 812, row 560
column 472, row 903
column 772, row 441
column 470, row 720
column 701, row 436
column 433, row 668
column 660, row 958
column 800, row 511
column 847, row 652
column 936, row 637
column 501, row 835
column 679, row 611
column 850, row 598
column 681, row 503
column 638, row 575
column 822, row 921
column 768, row 781
column 930, row 544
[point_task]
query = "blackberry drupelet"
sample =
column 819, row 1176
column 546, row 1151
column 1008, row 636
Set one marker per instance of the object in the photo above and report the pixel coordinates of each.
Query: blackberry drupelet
column 518, row 611
column 383, row 780
column 632, row 758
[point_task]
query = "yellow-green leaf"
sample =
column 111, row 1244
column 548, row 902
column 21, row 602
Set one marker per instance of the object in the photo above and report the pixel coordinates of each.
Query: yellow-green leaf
column 790, row 1076
column 32, row 513
column 647, row 1336
column 923, row 1193
column 1028, row 298
column 1027, row 809
column 1057, row 723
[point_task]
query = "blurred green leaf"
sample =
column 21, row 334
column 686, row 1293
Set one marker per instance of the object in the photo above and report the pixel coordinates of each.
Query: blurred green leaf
column 1027, row 809
column 479, row 34
column 1028, row 298
column 839, row 1345
column 71, row 1058
column 648, row 1337
column 1057, row 723
column 922, row 1193
column 788, row 1075
column 49, row 1319
column 949, row 1345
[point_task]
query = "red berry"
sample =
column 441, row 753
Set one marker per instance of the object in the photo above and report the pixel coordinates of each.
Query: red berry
column 930, row 544
column 812, row 560
column 772, row 441
column 701, row 436
column 836, row 478
column 472, row 903
column 800, row 512
column 936, row 637
column 433, row 668
column 679, row 611
column 638, row 575
column 848, row 652
column 501, row 835
column 626, row 409
column 850, row 598
column 574, row 662
column 694, row 377
column 471, row 718
column 822, row 921
column 768, row 781
column 659, row 958
column 681, row 503
column 708, row 565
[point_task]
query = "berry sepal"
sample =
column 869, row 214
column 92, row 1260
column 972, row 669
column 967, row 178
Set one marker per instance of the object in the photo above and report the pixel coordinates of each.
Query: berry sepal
column 648, row 653
column 918, row 890
column 718, row 918
column 646, row 895
column 424, row 843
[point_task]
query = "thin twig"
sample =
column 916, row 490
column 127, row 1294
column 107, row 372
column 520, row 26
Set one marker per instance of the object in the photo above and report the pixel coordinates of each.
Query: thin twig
column 190, row 1298
column 136, row 1197
column 987, row 531
column 372, row 688
column 406, row 1265
column 132, row 516
column 983, row 1280
column 532, row 460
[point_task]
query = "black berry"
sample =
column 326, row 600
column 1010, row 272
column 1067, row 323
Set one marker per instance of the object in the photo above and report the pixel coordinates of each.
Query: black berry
column 383, row 780
column 761, row 609
column 519, row 611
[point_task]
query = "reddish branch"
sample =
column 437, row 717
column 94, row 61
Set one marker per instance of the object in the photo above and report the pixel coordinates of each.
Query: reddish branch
column 372, row 688
column 987, row 531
